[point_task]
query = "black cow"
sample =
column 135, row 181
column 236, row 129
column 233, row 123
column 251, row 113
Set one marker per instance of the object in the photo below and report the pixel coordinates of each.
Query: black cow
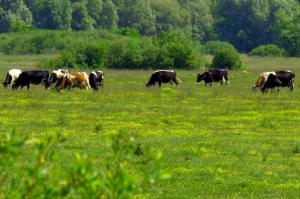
column 163, row 76
column 281, row 79
column 32, row 77
column 217, row 75
column 96, row 80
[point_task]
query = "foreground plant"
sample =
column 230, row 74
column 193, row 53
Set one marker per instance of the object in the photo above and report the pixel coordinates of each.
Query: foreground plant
column 126, row 170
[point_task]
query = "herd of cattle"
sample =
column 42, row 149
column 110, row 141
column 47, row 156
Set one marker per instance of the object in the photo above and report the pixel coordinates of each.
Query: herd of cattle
column 95, row 80
column 61, row 78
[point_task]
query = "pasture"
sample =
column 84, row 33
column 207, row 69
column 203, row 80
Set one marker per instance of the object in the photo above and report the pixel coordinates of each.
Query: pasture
column 218, row 142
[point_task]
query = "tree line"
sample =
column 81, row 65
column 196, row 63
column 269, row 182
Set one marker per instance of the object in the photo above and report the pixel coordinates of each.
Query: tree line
column 246, row 24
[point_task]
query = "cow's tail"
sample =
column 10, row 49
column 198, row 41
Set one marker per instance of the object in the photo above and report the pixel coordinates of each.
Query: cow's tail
column 292, row 83
column 178, row 80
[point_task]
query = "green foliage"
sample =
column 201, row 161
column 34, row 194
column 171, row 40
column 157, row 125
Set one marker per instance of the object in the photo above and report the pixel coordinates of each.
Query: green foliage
column 213, row 47
column 80, row 17
column 52, row 14
column 267, row 50
column 227, row 58
column 124, row 173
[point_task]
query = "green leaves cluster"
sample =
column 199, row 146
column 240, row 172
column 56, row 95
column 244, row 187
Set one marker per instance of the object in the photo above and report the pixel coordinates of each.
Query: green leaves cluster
column 126, row 170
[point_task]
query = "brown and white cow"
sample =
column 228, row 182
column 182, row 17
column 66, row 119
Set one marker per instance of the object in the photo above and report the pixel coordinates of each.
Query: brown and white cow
column 262, row 79
column 78, row 79
column 55, row 76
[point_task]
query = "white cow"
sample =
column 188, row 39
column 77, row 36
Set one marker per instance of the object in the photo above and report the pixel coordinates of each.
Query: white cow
column 11, row 77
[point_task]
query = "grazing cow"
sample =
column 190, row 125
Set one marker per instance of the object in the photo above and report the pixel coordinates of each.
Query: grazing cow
column 279, row 79
column 163, row 76
column 55, row 75
column 217, row 75
column 262, row 79
column 96, row 80
column 11, row 77
column 78, row 79
column 32, row 77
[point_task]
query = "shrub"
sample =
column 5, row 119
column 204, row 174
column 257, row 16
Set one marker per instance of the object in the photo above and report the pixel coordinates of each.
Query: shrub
column 212, row 47
column 91, row 56
column 267, row 50
column 227, row 58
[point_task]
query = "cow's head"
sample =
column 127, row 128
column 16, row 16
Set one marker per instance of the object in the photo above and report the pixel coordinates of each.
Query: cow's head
column 7, row 80
column 204, row 76
column 254, row 87
column 5, row 84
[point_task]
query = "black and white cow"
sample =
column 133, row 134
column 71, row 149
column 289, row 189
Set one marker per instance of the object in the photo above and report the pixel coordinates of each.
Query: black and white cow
column 279, row 79
column 96, row 79
column 216, row 75
column 32, row 77
column 11, row 77
column 55, row 76
column 163, row 76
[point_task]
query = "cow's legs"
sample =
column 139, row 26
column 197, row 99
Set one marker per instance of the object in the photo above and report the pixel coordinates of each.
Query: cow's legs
column 159, row 83
column 28, row 86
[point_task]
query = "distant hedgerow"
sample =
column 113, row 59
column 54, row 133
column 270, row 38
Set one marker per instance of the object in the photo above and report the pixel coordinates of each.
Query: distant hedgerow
column 168, row 50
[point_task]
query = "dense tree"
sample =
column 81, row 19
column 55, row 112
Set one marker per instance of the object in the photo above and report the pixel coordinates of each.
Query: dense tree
column 136, row 14
column 169, row 16
column 81, row 20
column 14, row 16
column 243, row 23
column 201, row 19
column 52, row 14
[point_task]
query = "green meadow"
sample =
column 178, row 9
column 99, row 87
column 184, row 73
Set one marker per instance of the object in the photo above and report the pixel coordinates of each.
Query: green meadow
column 218, row 142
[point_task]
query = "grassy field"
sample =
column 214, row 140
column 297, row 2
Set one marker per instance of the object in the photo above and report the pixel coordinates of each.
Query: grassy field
column 218, row 142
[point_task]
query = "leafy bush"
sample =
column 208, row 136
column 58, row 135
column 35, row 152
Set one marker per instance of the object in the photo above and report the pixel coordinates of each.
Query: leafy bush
column 126, row 170
column 125, row 53
column 212, row 47
column 91, row 56
column 267, row 50
column 227, row 58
